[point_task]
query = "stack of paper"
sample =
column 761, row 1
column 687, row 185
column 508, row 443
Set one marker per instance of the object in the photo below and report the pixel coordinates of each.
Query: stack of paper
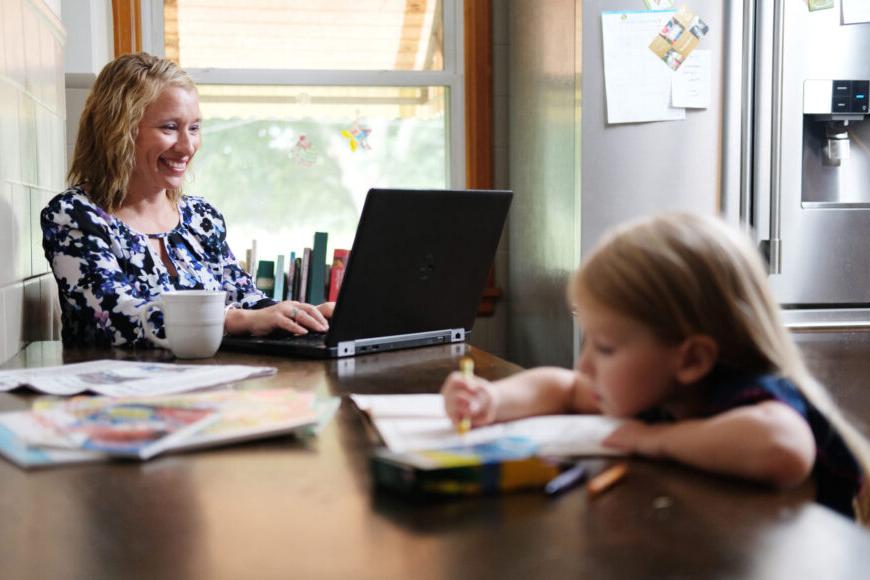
column 118, row 378
column 419, row 422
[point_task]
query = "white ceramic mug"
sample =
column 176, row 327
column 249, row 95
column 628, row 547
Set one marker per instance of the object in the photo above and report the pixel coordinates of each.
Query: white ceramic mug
column 193, row 321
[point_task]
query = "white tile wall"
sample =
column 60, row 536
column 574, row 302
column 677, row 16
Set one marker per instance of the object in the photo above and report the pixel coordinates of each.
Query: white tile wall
column 13, row 41
column 10, row 157
column 32, row 165
column 8, row 241
column 2, row 38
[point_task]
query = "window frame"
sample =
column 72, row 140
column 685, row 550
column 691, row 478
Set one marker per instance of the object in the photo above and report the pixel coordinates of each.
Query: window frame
column 451, row 77
column 471, row 132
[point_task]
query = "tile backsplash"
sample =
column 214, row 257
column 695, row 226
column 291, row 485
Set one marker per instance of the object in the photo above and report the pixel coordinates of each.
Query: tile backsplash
column 32, row 165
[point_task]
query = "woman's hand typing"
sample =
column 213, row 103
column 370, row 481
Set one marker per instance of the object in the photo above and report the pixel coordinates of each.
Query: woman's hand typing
column 290, row 316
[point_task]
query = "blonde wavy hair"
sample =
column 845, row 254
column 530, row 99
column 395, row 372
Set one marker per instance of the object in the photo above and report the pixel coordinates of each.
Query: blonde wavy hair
column 681, row 274
column 105, row 148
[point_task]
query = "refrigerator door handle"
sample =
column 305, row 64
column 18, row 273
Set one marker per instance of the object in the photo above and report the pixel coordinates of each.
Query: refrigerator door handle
column 746, row 113
column 775, row 263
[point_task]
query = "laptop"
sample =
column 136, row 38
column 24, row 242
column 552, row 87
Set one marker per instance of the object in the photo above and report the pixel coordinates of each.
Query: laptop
column 415, row 275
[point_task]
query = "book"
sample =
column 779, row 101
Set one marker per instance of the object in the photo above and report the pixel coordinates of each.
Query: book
column 255, row 414
column 501, row 465
column 318, row 269
column 336, row 275
column 253, row 261
column 278, row 293
column 265, row 280
column 136, row 428
column 305, row 276
column 297, row 283
column 291, row 277
column 58, row 431
column 419, row 422
column 18, row 429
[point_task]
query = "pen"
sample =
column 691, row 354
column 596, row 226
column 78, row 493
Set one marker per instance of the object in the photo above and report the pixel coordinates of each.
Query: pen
column 466, row 365
column 565, row 480
column 606, row 479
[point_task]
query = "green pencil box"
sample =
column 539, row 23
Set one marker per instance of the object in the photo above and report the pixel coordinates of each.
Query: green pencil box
column 506, row 464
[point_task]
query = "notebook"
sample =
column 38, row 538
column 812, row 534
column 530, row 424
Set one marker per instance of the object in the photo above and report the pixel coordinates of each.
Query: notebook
column 417, row 269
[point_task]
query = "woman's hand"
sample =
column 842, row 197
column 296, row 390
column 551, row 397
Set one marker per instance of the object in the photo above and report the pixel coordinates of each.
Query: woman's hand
column 470, row 398
column 294, row 317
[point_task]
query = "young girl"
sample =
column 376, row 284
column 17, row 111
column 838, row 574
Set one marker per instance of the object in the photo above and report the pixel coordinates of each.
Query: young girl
column 682, row 335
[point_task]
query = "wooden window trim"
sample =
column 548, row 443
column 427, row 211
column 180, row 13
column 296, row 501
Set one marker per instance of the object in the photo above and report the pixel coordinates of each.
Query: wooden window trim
column 478, row 116
column 478, row 97
column 127, row 26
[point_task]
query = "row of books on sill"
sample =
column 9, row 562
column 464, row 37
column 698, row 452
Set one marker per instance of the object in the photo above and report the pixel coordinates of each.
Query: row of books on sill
column 304, row 277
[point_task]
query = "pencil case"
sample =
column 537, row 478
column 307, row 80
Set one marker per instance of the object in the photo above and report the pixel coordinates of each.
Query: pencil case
column 503, row 465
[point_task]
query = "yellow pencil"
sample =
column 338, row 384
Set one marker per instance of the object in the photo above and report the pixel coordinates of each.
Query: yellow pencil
column 466, row 366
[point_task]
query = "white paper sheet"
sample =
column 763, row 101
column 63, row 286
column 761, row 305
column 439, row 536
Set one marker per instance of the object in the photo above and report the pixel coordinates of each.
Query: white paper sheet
column 417, row 422
column 691, row 83
column 637, row 83
column 856, row 11
column 117, row 378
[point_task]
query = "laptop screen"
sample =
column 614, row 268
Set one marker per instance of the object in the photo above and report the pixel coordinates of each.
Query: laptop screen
column 419, row 262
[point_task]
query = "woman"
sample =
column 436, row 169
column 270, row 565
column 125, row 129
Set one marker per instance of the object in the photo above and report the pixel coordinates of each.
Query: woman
column 123, row 233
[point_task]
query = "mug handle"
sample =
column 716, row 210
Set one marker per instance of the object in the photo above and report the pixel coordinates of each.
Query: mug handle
column 149, row 332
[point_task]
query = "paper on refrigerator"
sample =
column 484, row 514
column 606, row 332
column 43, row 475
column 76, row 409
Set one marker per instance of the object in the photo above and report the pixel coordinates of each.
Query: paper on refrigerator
column 116, row 378
column 636, row 83
column 691, row 83
column 856, row 11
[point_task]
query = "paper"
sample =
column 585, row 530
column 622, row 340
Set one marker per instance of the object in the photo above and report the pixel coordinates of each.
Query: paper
column 116, row 378
column 856, row 11
column 637, row 86
column 690, row 85
column 426, row 426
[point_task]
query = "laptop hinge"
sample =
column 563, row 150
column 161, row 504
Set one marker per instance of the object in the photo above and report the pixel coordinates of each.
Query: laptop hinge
column 359, row 346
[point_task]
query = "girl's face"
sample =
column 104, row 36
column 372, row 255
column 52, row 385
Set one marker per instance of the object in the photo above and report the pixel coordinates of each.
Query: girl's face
column 629, row 368
column 168, row 139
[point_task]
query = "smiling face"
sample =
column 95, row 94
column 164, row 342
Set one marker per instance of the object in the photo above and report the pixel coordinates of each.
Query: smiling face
column 167, row 141
column 630, row 369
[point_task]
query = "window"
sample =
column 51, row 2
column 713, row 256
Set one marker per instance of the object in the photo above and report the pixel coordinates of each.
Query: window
column 306, row 105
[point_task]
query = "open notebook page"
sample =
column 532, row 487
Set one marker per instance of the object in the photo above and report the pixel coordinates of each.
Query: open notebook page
column 416, row 422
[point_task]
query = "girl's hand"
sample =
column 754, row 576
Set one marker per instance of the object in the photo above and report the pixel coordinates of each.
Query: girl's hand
column 636, row 437
column 471, row 398
column 294, row 317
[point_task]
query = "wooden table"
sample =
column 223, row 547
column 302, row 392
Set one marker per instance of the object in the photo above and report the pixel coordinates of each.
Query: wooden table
column 293, row 509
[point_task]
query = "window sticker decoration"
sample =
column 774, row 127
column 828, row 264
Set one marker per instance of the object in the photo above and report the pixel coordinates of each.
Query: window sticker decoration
column 357, row 136
column 303, row 152
column 679, row 37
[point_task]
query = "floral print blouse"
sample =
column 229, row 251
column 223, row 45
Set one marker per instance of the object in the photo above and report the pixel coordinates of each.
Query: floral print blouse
column 108, row 273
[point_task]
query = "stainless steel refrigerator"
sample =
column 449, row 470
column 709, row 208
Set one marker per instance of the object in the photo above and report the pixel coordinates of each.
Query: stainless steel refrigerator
column 797, row 178
column 807, row 190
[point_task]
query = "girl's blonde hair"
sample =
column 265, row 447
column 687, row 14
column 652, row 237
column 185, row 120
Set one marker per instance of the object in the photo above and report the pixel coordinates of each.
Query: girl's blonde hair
column 105, row 149
column 683, row 274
